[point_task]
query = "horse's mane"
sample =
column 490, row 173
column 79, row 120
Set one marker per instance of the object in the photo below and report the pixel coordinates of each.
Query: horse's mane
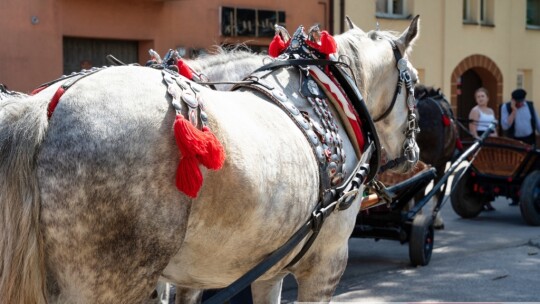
column 350, row 46
column 424, row 93
column 226, row 59
column 5, row 93
column 421, row 92
column 227, row 64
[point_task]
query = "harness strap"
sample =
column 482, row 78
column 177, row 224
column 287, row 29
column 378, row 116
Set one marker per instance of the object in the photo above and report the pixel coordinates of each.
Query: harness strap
column 54, row 101
column 70, row 81
column 313, row 225
column 397, row 56
column 296, row 62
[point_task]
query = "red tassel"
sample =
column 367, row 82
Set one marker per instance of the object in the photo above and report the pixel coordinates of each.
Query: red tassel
column 459, row 144
column 195, row 146
column 215, row 155
column 184, row 69
column 188, row 176
column 445, row 120
column 277, row 46
column 190, row 143
column 328, row 44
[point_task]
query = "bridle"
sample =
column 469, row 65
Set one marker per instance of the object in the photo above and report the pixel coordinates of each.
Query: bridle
column 410, row 147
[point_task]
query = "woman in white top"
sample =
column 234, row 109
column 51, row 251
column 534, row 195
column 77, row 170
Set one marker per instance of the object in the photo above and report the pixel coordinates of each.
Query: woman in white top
column 481, row 115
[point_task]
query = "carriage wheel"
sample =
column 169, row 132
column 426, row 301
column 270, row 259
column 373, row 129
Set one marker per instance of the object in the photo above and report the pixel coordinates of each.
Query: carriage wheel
column 465, row 202
column 529, row 204
column 421, row 240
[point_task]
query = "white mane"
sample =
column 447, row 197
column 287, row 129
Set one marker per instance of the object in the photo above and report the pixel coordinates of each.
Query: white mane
column 227, row 65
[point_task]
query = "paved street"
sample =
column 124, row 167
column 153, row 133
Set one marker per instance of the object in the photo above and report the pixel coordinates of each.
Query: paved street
column 495, row 257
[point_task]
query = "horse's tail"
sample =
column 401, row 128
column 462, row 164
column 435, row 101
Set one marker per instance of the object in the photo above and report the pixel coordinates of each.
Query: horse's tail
column 23, row 123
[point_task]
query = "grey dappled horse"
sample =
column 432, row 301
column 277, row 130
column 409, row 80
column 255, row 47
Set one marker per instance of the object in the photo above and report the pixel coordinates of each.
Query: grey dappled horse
column 90, row 214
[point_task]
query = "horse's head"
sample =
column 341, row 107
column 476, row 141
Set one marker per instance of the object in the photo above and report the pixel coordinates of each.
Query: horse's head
column 374, row 57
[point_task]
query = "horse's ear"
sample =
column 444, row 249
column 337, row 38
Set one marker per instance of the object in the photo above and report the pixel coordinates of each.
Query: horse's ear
column 351, row 24
column 411, row 33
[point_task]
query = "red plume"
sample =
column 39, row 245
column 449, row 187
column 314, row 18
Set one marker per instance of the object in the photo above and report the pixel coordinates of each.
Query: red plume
column 328, row 44
column 184, row 69
column 277, row 46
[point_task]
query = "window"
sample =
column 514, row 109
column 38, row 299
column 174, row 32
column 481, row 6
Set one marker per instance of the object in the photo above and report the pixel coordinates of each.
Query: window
column 391, row 9
column 478, row 12
column 469, row 15
column 533, row 14
column 249, row 22
column 487, row 12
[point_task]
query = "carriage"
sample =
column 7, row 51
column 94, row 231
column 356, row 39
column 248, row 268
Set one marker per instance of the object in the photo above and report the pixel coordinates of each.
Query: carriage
column 504, row 167
column 392, row 216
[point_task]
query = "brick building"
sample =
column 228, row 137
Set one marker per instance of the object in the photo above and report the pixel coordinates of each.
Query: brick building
column 43, row 39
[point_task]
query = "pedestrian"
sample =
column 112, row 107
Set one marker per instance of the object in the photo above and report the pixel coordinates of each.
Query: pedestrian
column 519, row 120
column 481, row 115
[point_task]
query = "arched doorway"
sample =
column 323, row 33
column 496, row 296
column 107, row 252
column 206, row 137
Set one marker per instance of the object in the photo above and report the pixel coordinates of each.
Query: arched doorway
column 471, row 73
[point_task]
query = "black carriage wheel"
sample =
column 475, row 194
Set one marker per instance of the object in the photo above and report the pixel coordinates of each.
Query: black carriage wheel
column 529, row 204
column 465, row 202
column 421, row 240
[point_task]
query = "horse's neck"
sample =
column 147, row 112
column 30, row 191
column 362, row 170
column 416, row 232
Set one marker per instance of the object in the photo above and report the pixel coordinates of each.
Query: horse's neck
column 371, row 75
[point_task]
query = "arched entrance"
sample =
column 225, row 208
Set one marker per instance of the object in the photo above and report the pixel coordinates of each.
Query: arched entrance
column 471, row 73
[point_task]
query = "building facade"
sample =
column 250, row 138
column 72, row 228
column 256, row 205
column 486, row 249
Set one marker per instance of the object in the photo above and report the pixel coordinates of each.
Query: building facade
column 464, row 44
column 43, row 39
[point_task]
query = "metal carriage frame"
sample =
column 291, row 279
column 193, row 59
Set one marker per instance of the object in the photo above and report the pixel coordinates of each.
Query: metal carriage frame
column 383, row 218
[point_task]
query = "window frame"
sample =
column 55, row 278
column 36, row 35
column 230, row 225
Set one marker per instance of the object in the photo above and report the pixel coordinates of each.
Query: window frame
column 530, row 24
column 478, row 12
column 388, row 14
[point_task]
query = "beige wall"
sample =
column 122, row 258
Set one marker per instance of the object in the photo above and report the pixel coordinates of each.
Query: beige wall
column 31, row 54
column 445, row 42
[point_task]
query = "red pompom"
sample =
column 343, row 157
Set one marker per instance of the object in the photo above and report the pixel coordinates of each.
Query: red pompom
column 459, row 144
column 328, row 44
column 184, row 69
column 277, row 46
column 445, row 120
column 195, row 146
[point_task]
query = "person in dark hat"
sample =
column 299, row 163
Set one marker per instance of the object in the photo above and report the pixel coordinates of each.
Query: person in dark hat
column 519, row 120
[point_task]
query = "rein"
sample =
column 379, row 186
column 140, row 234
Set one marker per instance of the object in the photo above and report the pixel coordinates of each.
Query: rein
column 313, row 225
